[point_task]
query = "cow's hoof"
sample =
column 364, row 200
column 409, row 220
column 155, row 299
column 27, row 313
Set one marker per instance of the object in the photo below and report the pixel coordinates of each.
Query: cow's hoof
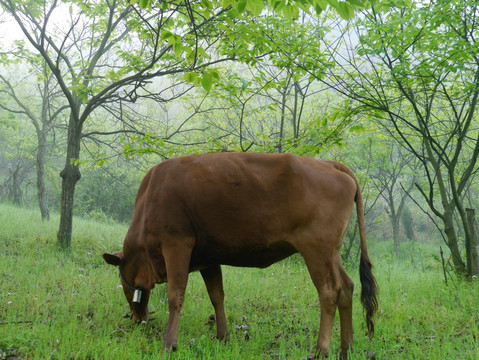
column 343, row 355
column 223, row 338
column 317, row 356
column 170, row 348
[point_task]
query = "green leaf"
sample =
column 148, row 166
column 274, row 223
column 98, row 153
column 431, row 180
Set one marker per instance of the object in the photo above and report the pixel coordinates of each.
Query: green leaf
column 241, row 6
column 230, row 22
column 178, row 49
column 255, row 6
column 192, row 77
column 318, row 9
column 345, row 10
column 356, row 129
column 207, row 82
column 358, row 3
column 143, row 3
column 206, row 4
column 226, row 3
column 291, row 11
column 323, row 4
column 215, row 75
column 244, row 85
column 166, row 35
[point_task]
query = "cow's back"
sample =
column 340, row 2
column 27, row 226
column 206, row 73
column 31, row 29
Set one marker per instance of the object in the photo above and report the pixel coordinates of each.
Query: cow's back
column 241, row 209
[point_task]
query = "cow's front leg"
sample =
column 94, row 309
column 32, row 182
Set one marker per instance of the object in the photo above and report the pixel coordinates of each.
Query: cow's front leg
column 177, row 260
column 214, row 284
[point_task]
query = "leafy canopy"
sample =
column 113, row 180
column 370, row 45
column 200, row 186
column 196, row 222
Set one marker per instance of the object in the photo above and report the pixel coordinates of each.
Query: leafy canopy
column 289, row 9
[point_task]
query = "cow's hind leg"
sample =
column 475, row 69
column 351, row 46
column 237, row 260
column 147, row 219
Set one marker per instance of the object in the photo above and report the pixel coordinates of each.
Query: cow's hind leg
column 345, row 306
column 214, row 285
column 326, row 278
column 177, row 261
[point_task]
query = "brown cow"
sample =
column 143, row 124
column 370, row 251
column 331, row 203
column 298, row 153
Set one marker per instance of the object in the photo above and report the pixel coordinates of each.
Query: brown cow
column 199, row 212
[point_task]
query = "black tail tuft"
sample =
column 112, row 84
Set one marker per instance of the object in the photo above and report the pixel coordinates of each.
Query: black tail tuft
column 369, row 290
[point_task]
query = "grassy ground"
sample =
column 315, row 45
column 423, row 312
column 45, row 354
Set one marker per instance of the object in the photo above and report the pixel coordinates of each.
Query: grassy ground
column 56, row 305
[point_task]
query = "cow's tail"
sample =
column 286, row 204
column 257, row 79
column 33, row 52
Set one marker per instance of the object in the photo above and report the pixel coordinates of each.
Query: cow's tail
column 369, row 287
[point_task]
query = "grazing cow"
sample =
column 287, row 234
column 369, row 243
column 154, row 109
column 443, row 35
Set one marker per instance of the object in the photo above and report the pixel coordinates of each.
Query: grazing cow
column 199, row 212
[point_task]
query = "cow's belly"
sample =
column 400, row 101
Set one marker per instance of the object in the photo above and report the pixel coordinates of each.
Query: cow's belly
column 260, row 257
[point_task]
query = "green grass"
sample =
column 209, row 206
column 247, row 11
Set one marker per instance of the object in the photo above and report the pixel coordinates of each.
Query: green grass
column 57, row 305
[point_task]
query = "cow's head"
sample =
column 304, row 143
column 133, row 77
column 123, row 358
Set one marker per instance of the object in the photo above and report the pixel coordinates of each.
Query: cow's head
column 136, row 294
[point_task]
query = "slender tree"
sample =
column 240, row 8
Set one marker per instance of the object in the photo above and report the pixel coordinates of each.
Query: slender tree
column 387, row 175
column 415, row 67
column 40, row 110
column 108, row 51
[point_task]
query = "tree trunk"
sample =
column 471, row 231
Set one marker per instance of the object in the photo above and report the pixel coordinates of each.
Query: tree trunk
column 41, row 188
column 408, row 224
column 70, row 176
column 16, row 181
column 284, row 97
column 394, row 217
column 448, row 220
column 283, row 116
column 472, row 245
column 396, row 237
column 42, row 129
column 294, row 118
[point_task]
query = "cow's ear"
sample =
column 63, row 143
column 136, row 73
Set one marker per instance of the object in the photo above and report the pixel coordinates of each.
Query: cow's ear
column 113, row 259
